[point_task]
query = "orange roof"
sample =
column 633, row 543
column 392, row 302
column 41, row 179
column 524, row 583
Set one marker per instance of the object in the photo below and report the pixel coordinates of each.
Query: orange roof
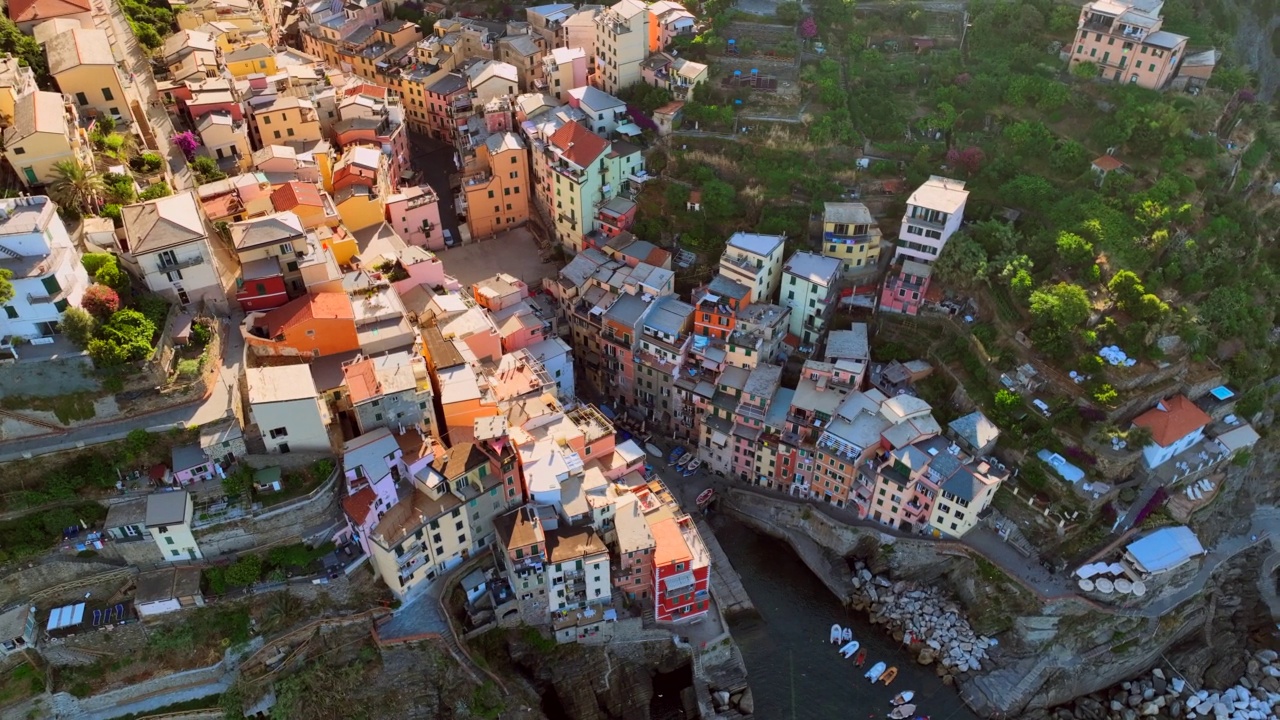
column 579, row 145
column 669, row 546
column 359, row 505
column 321, row 306
column 362, row 381
column 28, row 10
column 293, row 193
column 1107, row 163
column 1172, row 419
column 222, row 206
column 366, row 89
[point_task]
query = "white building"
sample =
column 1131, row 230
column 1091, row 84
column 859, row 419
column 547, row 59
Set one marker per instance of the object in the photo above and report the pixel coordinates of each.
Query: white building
column 169, row 516
column 166, row 244
column 47, row 274
column 557, row 359
column 755, row 261
column 1176, row 424
column 283, row 403
column 604, row 112
column 934, row 213
column 809, row 289
column 577, row 570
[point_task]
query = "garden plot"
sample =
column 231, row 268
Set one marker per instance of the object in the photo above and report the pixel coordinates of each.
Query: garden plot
column 759, row 65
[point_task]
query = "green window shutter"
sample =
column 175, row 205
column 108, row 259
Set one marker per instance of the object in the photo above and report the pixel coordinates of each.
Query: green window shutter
column 10, row 311
column 61, row 305
column 51, row 285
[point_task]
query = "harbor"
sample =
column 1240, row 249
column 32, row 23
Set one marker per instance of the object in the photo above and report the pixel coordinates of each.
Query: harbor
column 795, row 672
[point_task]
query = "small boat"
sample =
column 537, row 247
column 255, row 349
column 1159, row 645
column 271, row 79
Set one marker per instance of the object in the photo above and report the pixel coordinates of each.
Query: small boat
column 836, row 630
column 684, row 459
column 704, row 497
column 847, row 635
column 889, row 675
column 676, row 453
column 902, row 712
column 692, row 467
column 861, row 658
column 849, row 649
column 875, row 672
column 903, row 697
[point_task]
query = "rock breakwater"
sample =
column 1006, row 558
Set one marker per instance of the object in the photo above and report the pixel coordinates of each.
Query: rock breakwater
column 1159, row 694
column 925, row 620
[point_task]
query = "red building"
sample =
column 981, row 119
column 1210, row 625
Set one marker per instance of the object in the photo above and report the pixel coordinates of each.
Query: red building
column 717, row 307
column 681, row 569
column 261, row 285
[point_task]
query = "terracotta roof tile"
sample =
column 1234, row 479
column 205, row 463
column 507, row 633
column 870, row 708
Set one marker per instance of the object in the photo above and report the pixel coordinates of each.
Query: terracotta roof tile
column 294, row 193
column 579, row 145
column 29, row 10
column 359, row 505
column 1172, row 419
column 324, row 306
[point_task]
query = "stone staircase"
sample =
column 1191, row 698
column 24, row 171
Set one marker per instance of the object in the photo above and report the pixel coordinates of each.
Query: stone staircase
column 1009, row 689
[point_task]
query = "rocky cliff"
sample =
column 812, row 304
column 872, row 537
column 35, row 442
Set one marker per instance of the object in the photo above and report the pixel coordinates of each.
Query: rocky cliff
column 596, row 682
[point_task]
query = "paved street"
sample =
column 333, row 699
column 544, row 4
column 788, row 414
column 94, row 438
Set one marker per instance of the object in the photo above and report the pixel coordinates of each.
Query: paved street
column 514, row 252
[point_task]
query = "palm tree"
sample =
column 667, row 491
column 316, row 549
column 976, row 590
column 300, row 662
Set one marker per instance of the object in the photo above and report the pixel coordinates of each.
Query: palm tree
column 75, row 186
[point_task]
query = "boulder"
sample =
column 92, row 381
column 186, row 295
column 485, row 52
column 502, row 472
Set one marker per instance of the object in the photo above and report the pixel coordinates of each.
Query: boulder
column 926, row 656
column 1149, row 709
column 1268, row 656
column 720, row 698
column 1270, row 684
column 1159, row 685
column 1157, row 673
column 746, row 703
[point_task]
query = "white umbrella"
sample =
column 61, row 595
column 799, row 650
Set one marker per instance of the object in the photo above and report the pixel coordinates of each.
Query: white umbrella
column 1139, row 589
column 1086, row 585
column 1086, row 571
column 1123, row 586
column 1104, row 586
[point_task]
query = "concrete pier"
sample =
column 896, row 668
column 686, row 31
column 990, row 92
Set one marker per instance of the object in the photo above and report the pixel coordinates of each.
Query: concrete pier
column 726, row 585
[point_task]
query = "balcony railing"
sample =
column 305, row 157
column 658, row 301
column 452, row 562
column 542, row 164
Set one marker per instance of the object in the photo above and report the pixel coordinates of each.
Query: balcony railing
column 166, row 266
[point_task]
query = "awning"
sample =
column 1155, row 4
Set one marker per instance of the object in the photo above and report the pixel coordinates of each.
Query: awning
column 630, row 129
column 675, row 584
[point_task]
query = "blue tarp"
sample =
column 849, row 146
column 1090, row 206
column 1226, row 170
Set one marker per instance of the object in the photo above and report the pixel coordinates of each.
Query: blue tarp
column 1165, row 549
column 1059, row 464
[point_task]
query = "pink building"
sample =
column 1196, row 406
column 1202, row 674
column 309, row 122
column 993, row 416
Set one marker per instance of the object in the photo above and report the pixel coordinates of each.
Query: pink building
column 190, row 465
column 905, row 289
column 499, row 292
column 1123, row 38
column 414, row 212
column 424, row 268
column 520, row 326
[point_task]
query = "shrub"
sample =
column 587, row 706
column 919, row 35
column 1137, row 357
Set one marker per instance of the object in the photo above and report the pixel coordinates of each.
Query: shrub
column 125, row 337
column 100, row 301
column 93, row 262
column 157, row 191
column 1104, row 394
column 244, row 571
column 187, row 142
column 147, row 162
column 201, row 334
column 78, row 325
column 112, row 276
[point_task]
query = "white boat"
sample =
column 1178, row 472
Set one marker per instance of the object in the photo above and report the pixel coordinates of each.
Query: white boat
column 685, row 458
column 903, row 697
column 849, row 649
column 847, row 635
column 902, row 711
column 836, row 634
column 875, row 672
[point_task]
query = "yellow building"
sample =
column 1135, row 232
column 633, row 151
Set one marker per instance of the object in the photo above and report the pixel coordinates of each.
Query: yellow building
column 850, row 235
column 287, row 120
column 256, row 58
column 81, row 62
column 360, row 187
column 44, row 132
column 496, row 185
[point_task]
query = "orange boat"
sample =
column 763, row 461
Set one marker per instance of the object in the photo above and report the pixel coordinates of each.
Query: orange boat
column 860, row 658
column 889, row 675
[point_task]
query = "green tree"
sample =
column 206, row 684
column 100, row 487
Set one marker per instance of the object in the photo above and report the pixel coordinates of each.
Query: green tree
column 1085, row 70
column 719, row 199
column 92, row 262
column 137, row 443
column 75, row 186
column 788, row 12
column 245, row 571
column 1104, row 394
column 113, row 276
column 1006, row 402
column 1068, row 157
column 78, row 325
column 1074, row 250
column 1151, row 307
column 206, row 169
column 963, row 262
column 6, row 286
column 1126, row 287
column 125, row 337
column 1030, row 138
column 1030, row 192
column 1062, row 306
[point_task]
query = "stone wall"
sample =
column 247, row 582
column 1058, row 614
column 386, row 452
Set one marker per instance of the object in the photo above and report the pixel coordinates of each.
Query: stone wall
column 286, row 524
column 20, row 584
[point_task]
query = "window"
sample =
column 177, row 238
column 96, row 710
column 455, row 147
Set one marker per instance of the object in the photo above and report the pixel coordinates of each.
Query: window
column 277, row 134
column 10, row 311
column 82, row 99
column 173, row 275
column 266, row 120
column 290, row 131
column 19, row 151
column 279, row 433
column 175, row 553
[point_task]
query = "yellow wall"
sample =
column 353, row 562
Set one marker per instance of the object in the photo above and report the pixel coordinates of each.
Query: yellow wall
column 39, row 152
column 360, row 212
column 7, row 100
column 92, row 80
column 482, row 217
column 192, row 19
column 344, row 248
column 282, row 121
column 241, row 68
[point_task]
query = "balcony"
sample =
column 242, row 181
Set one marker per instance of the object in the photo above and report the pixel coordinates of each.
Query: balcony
column 575, row 174
column 169, row 266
